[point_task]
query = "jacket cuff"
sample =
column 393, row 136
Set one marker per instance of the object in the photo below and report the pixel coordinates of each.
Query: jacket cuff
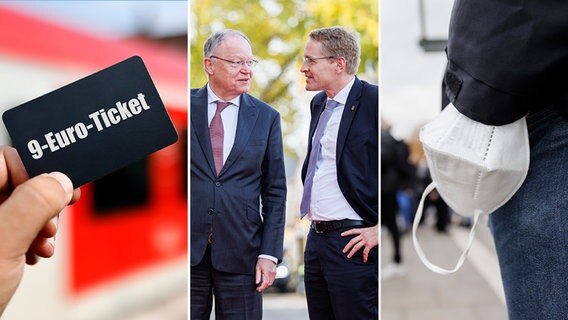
column 483, row 103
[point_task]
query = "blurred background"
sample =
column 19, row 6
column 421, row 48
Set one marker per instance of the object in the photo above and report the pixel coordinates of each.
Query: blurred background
column 121, row 251
column 413, row 36
column 278, row 30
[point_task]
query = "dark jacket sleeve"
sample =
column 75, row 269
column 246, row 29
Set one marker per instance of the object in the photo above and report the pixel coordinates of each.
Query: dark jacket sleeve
column 273, row 193
column 506, row 57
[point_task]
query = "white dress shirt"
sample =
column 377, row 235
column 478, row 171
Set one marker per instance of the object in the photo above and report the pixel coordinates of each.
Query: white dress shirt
column 327, row 202
column 230, row 117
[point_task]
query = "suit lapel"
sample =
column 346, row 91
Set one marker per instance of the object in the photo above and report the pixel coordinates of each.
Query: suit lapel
column 248, row 113
column 351, row 107
column 200, row 125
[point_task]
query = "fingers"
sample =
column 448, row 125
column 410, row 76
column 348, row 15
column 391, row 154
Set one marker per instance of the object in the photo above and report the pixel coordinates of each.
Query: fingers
column 266, row 282
column 65, row 183
column 265, row 274
column 365, row 239
column 31, row 205
column 50, row 229
column 356, row 248
column 12, row 169
column 258, row 275
column 366, row 252
column 13, row 172
column 44, row 244
column 351, row 232
column 76, row 196
column 350, row 244
column 263, row 285
column 31, row 258
column 42, row 247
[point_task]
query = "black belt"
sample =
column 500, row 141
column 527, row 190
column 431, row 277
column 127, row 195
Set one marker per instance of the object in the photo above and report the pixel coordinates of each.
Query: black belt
column 327, row 226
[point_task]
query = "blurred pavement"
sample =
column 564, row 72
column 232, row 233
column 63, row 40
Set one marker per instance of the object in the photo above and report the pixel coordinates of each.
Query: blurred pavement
column 473, row 293
column 277, row 306
column 287, row 306
column 282, row 306
column 174, row 308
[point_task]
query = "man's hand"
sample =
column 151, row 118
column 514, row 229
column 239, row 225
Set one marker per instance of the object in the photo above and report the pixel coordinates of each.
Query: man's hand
column 366, row 238
column 27, row 210
column 265, row 273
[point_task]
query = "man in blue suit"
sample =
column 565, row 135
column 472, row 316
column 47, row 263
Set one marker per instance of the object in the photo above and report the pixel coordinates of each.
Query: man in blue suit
column 340, row 178
column 237, row 168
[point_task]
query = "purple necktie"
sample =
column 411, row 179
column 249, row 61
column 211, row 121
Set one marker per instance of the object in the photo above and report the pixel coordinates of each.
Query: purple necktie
column 314, row 154
column 216, row 132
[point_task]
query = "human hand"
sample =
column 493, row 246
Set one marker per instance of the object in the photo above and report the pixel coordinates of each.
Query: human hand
column 366, row 238
column 27, row 208
column 265, row 273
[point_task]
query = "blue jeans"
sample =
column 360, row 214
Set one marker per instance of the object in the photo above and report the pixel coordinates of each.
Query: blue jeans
column 531, row 230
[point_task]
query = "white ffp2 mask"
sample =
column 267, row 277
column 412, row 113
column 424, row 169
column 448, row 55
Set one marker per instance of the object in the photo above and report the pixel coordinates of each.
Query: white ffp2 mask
column 476, row 168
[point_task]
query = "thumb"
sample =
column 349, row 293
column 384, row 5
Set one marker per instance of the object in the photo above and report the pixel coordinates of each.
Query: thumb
column 30, row 206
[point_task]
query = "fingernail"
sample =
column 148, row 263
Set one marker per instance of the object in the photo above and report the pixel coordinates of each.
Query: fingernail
column 65, row 183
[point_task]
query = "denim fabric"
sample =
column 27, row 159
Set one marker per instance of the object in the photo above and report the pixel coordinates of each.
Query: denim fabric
column 531, row 230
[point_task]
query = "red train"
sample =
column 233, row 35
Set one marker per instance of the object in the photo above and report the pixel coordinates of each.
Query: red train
column 125, row 242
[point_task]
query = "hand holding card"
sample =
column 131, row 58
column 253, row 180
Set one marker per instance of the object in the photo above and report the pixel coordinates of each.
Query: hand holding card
column 93, row 126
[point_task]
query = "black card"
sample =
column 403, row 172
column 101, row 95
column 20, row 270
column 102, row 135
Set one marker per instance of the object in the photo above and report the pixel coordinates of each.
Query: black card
column 93, row 126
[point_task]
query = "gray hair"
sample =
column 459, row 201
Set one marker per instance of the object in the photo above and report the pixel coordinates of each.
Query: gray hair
column 340, row 42
column 215, row 40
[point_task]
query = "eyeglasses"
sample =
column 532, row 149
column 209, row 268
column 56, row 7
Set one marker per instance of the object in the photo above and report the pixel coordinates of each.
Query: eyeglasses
column 238, row 64
column 312, row 61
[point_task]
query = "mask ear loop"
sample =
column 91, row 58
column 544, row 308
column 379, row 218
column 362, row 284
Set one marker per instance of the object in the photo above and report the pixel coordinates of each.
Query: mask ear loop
column 418, row 248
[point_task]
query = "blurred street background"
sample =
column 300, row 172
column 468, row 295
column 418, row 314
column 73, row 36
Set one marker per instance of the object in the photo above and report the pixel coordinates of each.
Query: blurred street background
column 278, row 31
column 413, row 37
column 121, row 251
column 473, row 293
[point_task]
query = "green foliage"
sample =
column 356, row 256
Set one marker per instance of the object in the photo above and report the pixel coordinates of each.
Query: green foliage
column 278, row 31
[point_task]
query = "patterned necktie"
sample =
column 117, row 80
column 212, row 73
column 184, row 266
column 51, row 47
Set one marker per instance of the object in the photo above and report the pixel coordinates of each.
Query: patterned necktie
column 217, row 133
column 314, row 154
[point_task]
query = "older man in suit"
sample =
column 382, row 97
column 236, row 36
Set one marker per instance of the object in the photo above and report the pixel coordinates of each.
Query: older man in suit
column 340, row 177
column 237, row 168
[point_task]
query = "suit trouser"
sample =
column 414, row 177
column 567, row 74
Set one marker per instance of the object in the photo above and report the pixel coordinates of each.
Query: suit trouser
column 236, row 297
column 338, row 287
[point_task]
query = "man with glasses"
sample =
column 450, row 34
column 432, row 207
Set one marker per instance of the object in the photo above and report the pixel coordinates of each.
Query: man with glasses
column 340, row 176
column 237, row 165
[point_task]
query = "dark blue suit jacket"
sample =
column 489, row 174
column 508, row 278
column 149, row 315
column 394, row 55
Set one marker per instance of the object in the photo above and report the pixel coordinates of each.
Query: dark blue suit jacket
column 229, row 204
column 357, row 148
